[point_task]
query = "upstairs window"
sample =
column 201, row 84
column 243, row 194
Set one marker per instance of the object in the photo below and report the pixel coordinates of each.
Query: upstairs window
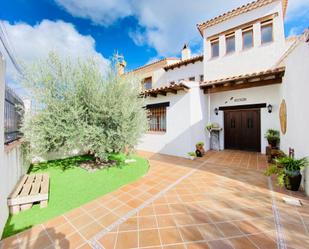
column 192, row 79
column 266, row 32
column 202, row 78
column 247, row 38
column 157, row 117
column 215, row 49
column 230, row 43
column 147, row 83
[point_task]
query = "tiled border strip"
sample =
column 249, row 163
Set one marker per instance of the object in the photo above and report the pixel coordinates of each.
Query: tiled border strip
column 94, row 241
column 280, row 236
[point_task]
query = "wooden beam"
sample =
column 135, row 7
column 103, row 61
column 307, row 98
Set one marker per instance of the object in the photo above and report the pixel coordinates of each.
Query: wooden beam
column 153, row 95
column 172, row 91
column 162, row 93
column 243, row 86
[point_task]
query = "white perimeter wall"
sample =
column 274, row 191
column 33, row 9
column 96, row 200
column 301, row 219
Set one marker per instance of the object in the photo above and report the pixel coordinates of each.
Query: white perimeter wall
column 12, row 165
column 256, row 95
column 186, row 120
column 3, row 209
column 295, row 91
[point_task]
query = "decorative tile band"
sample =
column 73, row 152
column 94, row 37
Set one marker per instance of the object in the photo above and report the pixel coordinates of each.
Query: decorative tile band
column 280, row 236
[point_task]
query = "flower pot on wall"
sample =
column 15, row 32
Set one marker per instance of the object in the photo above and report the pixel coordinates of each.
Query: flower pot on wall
column 292, row 180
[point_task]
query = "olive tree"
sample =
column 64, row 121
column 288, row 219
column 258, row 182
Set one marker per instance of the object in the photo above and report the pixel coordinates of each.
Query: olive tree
column 77, row 106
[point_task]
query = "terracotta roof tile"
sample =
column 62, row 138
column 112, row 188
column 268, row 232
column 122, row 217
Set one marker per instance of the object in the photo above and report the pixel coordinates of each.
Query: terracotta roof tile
column 152, row 63
column 243, row 76
column 235, row 12
column 184, row 62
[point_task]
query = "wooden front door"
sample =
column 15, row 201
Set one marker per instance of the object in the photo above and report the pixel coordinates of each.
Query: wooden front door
column 242, row 130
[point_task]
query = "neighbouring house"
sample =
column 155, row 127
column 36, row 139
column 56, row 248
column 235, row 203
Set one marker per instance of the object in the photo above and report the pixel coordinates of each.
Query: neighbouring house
column 250, row 78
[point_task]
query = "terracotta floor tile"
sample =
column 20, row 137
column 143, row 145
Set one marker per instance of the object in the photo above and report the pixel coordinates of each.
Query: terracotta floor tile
column 134, row 203
column 147, row 222
column 82, row 221
column 122, row 210
column 200, row 245
column 32, row 233
column 183, row 219
column 38, row 243
column 149, row 238
column 71, row 242
column 130, row 224
column 247, row 227
column 91, row 230
column 60, row 232
column 200, row 217
column 179, row 246
column 98, row 212
column 170, row 236
column 108, row 241
column 165, row 221
column 147, row 211
column 10, row 242
column 263, row 241
column 161, row 209
column 107, row 220
column 229, row 229
column 113, row 204
column 220, row 244
column 127, row 240
column 242, row 243
column 190, row 233
column 210, row 232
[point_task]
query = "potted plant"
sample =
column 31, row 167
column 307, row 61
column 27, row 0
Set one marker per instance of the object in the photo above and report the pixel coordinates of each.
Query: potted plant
column 209, row 127
column 273, row 137
column 192, row 155
column 288, row 170
column 199, row 149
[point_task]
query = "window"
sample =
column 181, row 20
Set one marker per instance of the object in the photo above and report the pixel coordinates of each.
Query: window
column 157, row 117
column 192, row 79
column 215, row 48
column 247, row 38
column 147, row 83
column 202, row 78
column 230, row 44
column 266, row 32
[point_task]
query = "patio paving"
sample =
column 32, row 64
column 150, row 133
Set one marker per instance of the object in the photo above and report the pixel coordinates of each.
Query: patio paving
column 220, row 201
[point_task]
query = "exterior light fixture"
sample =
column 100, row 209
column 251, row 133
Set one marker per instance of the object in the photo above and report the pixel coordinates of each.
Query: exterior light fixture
column 270, row 108
column 216, row 111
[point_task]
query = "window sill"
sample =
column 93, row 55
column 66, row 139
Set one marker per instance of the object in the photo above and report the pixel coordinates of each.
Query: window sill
column 12, row 145
column 156, row 132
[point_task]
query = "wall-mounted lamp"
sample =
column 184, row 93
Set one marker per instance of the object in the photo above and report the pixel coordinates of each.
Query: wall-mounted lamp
column 216, row 111
column 270, row 108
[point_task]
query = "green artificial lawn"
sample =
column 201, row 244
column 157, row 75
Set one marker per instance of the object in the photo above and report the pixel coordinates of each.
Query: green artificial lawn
column 72, row 186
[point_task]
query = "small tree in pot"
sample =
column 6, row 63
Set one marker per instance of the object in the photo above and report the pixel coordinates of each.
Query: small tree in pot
column 273, row 137
column 288, row 171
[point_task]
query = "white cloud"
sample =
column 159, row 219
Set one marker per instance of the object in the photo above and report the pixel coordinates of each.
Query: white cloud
column 103, row 12
column 35, row 42
column 168, row 24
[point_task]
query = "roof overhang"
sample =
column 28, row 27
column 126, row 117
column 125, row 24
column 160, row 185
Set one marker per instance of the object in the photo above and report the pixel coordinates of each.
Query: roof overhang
column 184, row 62
column 173, row 89
column 262, row 78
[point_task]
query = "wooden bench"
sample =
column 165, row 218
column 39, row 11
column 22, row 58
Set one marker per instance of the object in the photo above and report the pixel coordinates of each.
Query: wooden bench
column 29, row 190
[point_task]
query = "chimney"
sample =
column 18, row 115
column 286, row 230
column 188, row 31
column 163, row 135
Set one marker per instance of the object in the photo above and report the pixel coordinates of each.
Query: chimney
column 121, row 66
column 186, row 52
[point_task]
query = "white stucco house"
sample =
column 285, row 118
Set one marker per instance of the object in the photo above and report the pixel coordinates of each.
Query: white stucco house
column 250, row 78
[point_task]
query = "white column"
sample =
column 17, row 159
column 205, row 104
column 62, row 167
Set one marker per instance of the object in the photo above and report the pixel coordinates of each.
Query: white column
column 238, row 40
column 222, row 45
column 3, row 207
column 257, row 34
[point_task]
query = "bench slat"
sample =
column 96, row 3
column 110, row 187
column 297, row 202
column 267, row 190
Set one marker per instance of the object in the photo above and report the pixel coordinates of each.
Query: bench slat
column 27, row 186
column 18, row 187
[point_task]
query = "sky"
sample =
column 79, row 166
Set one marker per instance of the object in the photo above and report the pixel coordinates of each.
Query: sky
column 141, row 30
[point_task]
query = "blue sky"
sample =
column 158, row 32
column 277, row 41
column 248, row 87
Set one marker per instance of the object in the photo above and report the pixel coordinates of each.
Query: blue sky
column 142, row 30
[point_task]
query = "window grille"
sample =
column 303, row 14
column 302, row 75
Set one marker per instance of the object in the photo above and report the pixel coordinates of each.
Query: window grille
column 157, row 119
column 13, row 109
